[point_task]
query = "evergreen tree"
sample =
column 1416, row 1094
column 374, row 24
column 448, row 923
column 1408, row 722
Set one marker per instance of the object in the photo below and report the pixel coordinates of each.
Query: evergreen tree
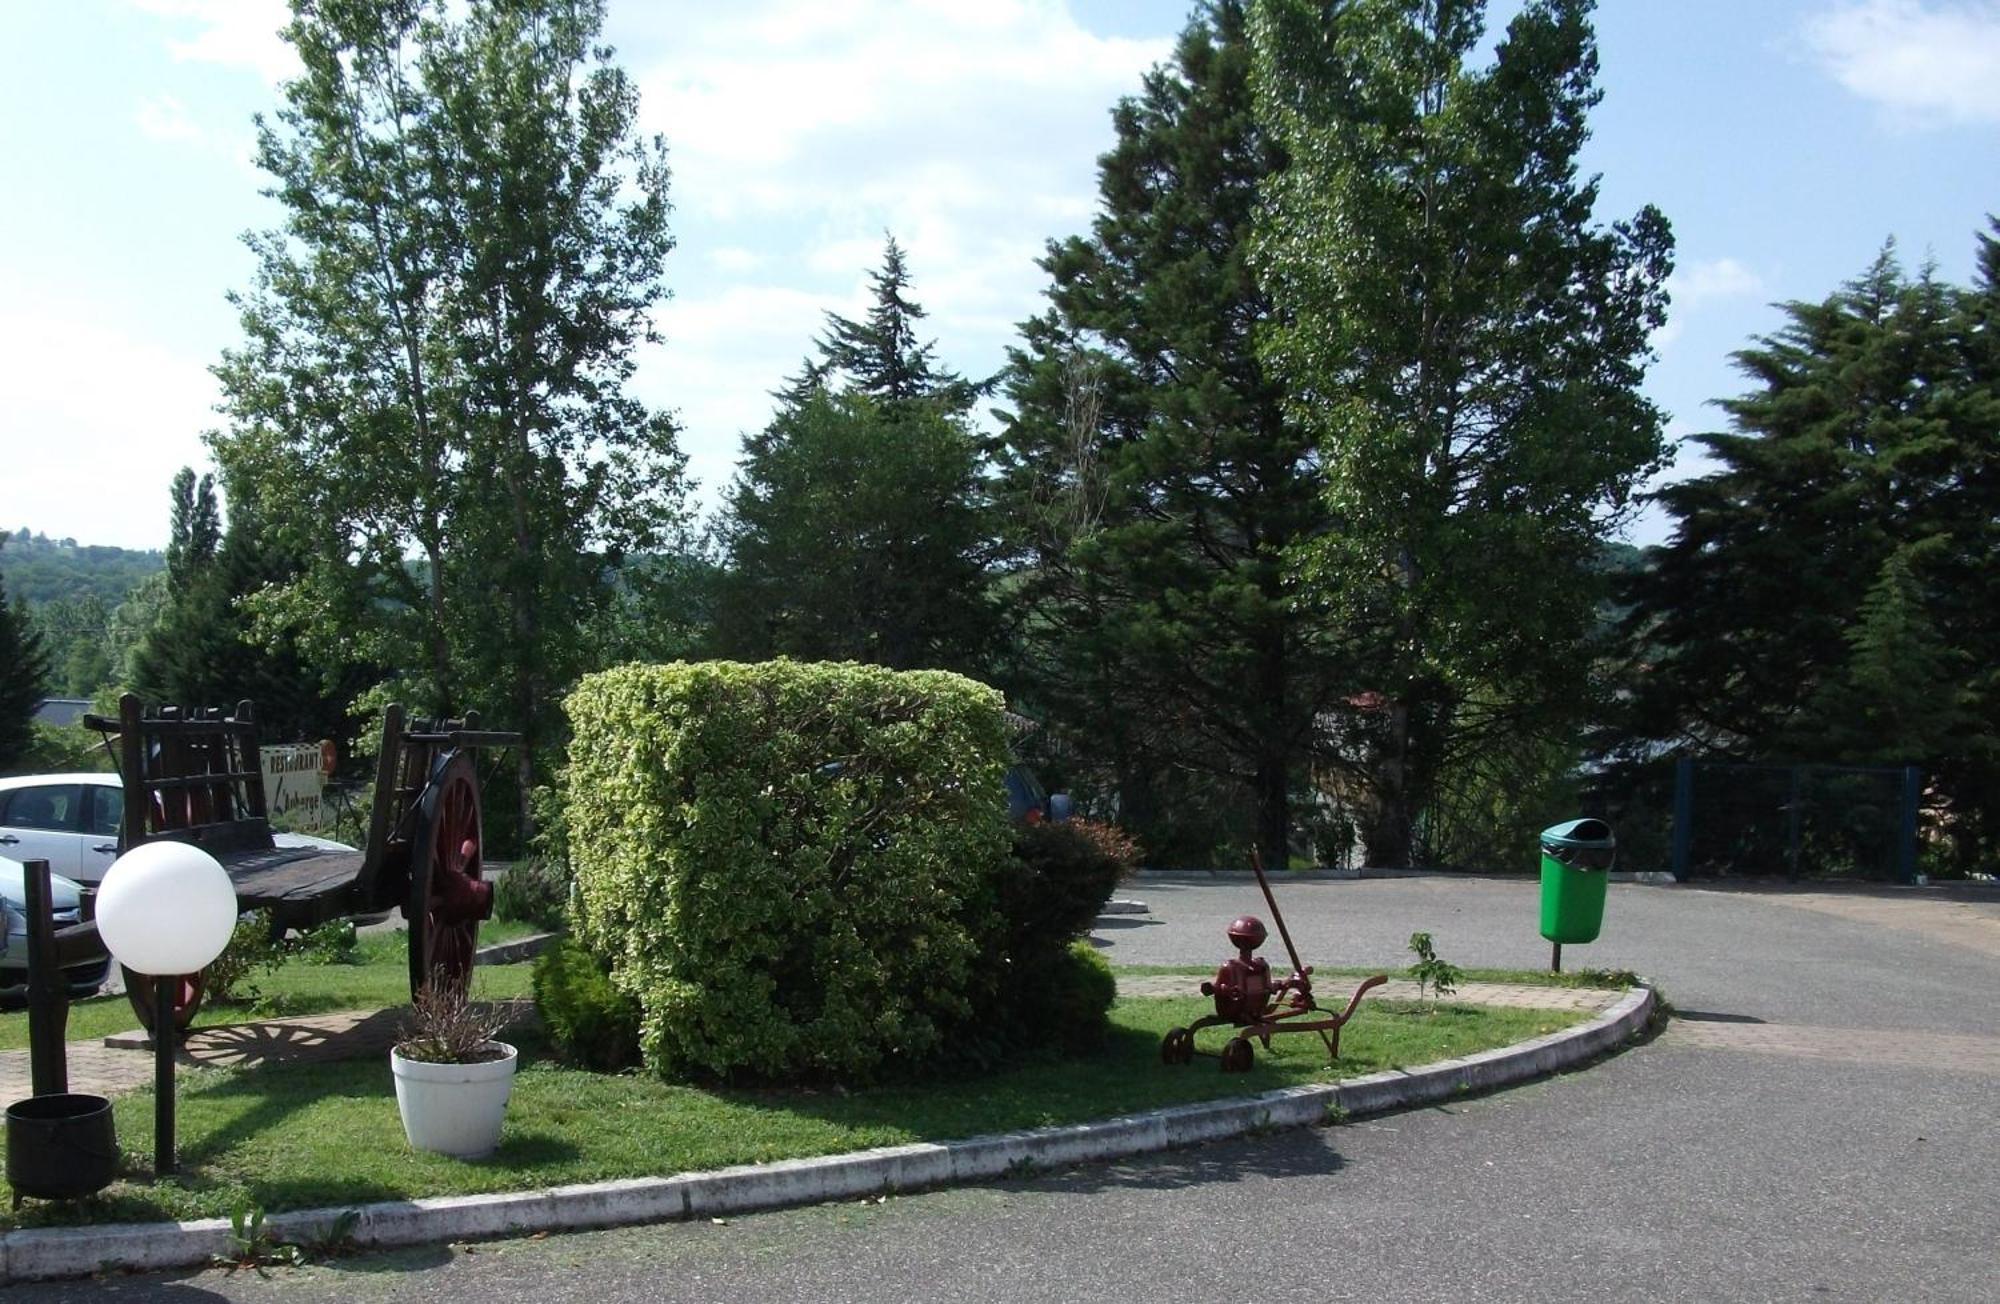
column 1467, row 347
column 1828, row 592
column 205, row 646
column 24, row 673
column 856, row 528
column 855, row 532
column 882, row 356
column 1155, row 482
column 1743, row 620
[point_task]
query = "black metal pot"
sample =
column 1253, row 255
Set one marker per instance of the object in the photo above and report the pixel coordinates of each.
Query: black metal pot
column 61, row 1147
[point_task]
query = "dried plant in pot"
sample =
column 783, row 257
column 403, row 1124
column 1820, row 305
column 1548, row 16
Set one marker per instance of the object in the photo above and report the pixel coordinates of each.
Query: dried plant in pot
column 453, row 1074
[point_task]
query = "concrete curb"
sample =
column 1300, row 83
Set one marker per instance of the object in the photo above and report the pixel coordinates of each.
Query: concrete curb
column 42, row 1254
column 521, row 948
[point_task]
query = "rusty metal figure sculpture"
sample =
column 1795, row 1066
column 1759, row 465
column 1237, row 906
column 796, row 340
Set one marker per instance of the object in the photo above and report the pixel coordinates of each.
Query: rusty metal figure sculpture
column 1249, row 1000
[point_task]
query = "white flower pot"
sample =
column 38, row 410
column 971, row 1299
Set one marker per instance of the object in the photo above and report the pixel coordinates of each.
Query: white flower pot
column 454, row 1109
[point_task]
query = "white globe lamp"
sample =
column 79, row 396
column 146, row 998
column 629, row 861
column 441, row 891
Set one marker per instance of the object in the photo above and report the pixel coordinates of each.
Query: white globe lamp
column 165, row 909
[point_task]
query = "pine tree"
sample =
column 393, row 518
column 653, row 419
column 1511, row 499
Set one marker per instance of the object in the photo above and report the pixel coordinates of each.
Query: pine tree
column 1155, row 482
column 857, row 526
column 24, row 674
column 1829, row 592
column 882, row 356
column 1744, row 618
column 1467, row 345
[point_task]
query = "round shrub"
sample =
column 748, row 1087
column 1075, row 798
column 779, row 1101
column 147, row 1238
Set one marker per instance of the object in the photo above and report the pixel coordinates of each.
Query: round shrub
column 1062, row 876
column 791, row 867
column 1064, row 1001
column 591, row 1022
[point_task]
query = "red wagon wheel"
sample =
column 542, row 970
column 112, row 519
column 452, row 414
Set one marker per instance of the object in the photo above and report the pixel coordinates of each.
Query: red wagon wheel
column 188, row 991
column 448, row 891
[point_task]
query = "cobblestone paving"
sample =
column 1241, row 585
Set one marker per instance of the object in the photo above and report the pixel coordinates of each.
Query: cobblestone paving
column 103, row 1071
column 1334, row 990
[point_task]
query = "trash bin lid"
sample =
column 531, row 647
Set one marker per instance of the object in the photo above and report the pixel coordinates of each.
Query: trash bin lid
column 1579, row 833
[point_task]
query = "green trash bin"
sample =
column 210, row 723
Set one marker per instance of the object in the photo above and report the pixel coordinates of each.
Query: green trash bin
column 1575, row 858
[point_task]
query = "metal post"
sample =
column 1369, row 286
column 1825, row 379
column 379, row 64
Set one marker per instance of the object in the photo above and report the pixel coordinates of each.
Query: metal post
column 163, row 1074
column 48, row 1002
column 1556, row 957
column 1683, row 816
column 1792, row 816
column 1906, row 850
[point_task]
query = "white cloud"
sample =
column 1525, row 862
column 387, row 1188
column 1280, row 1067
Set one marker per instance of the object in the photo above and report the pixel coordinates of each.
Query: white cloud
column 97, row 455
column 165, row 118
column 801, row 130
column 1927, row 61
column 232, row 33
column 1697, row 283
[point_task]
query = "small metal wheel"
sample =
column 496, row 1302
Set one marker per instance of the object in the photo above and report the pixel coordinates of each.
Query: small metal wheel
column 139, row 992
column 1237, row 1055
column 1177, row 1047
column 448, row 891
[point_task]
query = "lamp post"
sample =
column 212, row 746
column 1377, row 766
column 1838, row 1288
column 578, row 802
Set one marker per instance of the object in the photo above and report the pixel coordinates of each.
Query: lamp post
column 165, row 909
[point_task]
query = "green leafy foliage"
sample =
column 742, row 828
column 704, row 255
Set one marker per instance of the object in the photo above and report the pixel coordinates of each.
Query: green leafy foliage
column 534, row 891
column 1054, row 989
column 231, row 978
column 431, row 398
column 1062, row 875
column 1829, row 591
column 1441, row 976
column 1466, row 344
column 1153, row 485
column 791, row 867
column 591, row 1021
column 24, row 670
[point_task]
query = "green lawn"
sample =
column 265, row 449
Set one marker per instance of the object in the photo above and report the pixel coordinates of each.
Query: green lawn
column 328, row 1134
column 298, row 988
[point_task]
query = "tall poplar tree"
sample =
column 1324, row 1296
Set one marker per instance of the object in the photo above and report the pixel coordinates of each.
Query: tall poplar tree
column 1466, row 344
column 431, row 396
column 1154, row 478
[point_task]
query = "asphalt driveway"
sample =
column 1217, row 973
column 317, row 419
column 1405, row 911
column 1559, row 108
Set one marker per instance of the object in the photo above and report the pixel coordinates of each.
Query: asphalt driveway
column 1819, row 1126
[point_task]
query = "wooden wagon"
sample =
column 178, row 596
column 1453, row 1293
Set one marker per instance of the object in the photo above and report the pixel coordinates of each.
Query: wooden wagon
column 193, row 775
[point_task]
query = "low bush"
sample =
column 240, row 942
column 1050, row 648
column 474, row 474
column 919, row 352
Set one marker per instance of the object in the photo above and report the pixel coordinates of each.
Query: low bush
column 231, row 977
column 534, row 891
column 1062, row 1000
column 793, row 869
column 1061, row 877
column 591, row 1022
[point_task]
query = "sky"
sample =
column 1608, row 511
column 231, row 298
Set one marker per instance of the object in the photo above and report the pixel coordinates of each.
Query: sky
column 1786, row 140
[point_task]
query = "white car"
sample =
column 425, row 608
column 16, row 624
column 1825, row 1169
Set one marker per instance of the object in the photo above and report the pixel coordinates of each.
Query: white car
column 71, row 821
column 65, row 903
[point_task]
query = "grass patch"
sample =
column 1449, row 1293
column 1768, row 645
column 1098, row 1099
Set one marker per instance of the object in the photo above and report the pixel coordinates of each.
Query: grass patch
column 328, row 1134
column 297, row 988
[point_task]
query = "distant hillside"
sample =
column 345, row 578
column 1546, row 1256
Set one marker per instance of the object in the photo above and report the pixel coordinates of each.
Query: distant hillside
column 40, row 569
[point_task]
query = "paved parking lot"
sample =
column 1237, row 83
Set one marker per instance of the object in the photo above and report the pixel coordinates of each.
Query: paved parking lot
column 1820, row 1126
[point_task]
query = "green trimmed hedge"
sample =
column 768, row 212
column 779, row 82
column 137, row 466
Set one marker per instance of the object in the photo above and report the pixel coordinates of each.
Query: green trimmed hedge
column 791, row 867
